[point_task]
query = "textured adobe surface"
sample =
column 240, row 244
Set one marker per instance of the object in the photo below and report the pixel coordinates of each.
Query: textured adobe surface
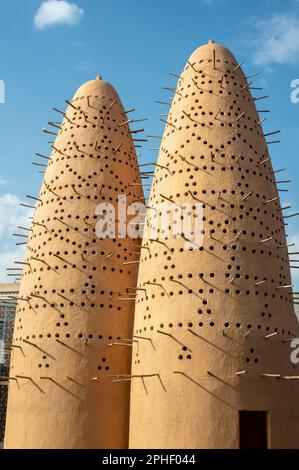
column 206, row 314
column 71, row 316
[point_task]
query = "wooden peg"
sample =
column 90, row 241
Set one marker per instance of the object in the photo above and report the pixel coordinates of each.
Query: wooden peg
column 34, row 198
column 175, row 75
column 272, row 200
column 19, row 235
column 258, row 283
column 46, row 131
column 170, row 200
column 70, row 104
column 246, row 86
column 173, row 90
column 127, row 111
column 260, row 122
column 112, row 104
column 131, row 262
column 276, row 376
column 237, row 67
column 272, row 133
column 55, row 124
column 219, row 110
column 39, row 164
column 192, row 66
column 241, row 115
column 168, row 123
column 252, row 75
column 270, row 335
column 163, row 102
column 263, row 162
column 266, row 240
column 42, row 156
column 286, row 246
column 117, row 148
column 238, row 235
column 261, row 98
column 246, row 195
column 58, row 111
column 290, row 215
column 24, row 228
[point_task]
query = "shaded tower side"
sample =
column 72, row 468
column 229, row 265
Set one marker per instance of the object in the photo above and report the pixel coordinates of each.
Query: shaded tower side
column 215, row 320
column 72, row 316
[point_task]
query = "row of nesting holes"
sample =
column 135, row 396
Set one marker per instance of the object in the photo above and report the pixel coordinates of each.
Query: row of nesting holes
column 226, row 325
column 218, row 154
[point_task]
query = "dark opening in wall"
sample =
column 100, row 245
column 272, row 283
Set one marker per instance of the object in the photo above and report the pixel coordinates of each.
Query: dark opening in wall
column 253, row 429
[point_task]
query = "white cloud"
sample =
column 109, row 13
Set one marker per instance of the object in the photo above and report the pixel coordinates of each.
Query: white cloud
column 55, row 12
column 11, row 215
column 276, row 40
column 7, row 259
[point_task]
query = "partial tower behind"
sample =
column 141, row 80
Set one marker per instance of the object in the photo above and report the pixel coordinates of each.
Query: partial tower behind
column 213, row 369
column 71, row 319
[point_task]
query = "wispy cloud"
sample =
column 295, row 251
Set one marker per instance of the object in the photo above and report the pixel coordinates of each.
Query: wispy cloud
column 57, row 12
column 3, row 181
column 276, row 40
column 11, row 215
column 85, row 66
column 295, row 274
column 294, row 238
column 79, row 43
column 212, row 3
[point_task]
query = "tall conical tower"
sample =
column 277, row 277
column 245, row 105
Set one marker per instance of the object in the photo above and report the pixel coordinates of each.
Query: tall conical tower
column 214, row 323
column 73, row 325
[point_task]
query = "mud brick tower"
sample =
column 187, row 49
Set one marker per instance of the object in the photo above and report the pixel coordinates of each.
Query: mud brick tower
column 212, row 368
column 74, row 323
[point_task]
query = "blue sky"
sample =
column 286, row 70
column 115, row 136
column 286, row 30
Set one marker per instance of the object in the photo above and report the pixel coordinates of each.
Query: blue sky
column 134, row 45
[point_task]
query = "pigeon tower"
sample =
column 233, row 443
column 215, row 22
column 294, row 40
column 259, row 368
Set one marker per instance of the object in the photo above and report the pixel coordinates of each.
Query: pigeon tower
column 214, row 320
column 73, row 329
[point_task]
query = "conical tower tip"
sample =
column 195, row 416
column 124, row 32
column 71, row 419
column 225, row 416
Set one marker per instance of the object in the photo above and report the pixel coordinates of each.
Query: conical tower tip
column 212, row 51
column 97, row 87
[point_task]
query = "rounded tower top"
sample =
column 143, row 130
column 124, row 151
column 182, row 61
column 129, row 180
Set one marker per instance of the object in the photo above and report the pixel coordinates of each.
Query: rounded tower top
column 205, row 52
column 97, row 87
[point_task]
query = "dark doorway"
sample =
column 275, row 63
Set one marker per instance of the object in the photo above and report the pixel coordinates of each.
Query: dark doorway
column 253, row 429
